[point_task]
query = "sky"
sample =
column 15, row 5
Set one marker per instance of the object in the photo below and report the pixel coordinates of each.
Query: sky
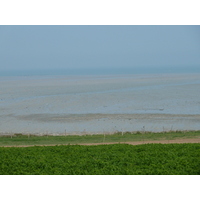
column 99, row 49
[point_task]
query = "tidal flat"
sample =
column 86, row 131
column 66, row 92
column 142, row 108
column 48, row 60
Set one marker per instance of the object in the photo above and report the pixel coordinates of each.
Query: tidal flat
column 99, row 104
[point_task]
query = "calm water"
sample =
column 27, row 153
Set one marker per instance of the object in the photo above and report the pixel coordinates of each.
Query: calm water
column 94, row 104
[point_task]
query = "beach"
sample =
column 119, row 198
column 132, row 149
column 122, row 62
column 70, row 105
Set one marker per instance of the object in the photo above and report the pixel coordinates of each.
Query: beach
column 99, row 104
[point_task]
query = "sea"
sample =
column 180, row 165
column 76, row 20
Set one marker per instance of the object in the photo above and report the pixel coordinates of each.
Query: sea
column 48, row 102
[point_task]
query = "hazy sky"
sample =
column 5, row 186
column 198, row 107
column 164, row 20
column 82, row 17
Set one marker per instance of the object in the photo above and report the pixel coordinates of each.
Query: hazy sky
column 98, row 47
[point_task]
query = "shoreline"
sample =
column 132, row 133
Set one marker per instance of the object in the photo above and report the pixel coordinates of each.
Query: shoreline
column 98, row 123
column 36, row 134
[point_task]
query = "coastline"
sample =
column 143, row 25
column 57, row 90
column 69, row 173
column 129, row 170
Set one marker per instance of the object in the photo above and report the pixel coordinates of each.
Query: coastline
column 59, row 124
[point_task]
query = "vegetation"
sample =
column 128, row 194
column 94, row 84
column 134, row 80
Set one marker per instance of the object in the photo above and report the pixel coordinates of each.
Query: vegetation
column 116, row 159
column 19, row 139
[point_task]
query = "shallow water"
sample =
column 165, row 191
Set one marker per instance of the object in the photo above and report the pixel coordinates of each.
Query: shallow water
column 96, row 104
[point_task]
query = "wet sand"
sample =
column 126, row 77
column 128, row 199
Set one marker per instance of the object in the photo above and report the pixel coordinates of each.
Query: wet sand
column 97, row 104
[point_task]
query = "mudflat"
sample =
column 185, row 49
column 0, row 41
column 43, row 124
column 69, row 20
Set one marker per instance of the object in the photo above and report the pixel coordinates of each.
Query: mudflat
column 99, row 104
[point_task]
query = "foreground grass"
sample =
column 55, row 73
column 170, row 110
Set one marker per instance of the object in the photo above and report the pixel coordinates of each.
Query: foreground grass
column 19, row 139
column 116, row 159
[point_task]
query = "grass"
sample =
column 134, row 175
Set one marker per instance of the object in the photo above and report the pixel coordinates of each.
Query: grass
column 117, row 159
column 20, row 139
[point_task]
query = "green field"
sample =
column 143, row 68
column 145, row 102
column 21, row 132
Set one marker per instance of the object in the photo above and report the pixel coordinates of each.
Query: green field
column 119, row 159
column 19, row 139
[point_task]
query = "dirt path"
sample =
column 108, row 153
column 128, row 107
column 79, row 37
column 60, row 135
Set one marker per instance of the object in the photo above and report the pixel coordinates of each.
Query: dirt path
column 177, row 141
